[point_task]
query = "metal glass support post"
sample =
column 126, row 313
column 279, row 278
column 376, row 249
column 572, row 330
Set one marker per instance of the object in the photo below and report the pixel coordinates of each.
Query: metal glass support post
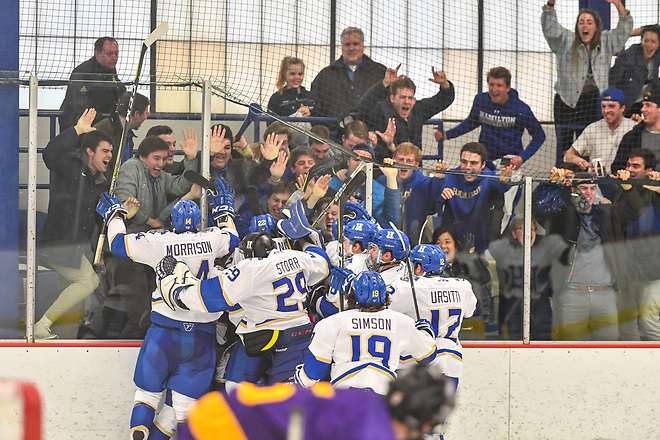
column 527, row 261
column 206, row 147
column 369, row 187
column 31, row 269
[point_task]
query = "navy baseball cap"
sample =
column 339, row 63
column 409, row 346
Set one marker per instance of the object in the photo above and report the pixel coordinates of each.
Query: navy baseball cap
column 613, row 94
column 364, row 147
column 652, row 95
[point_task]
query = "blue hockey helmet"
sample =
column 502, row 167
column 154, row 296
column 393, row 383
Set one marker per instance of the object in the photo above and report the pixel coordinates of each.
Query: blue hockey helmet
column 392, row 240
column 186, row 216
column 370, row 289
column 263, row 223
column 360, row 231
column 430, row 256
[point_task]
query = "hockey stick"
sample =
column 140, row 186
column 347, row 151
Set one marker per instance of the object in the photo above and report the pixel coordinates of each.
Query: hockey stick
column 151, row 39
column 320, row 167
column 195, row 177
column 357, row 179
column 410, row 271
column 254, row 110
column 317, row 169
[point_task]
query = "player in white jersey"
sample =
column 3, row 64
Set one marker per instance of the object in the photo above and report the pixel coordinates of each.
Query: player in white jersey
column 272, row 291
column 360, row 236
column 443, row 301
column 393, row 248
column 361, row 347
column 178, row 351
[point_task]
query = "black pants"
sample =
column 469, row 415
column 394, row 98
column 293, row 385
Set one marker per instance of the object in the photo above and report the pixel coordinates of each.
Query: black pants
column 585, row 112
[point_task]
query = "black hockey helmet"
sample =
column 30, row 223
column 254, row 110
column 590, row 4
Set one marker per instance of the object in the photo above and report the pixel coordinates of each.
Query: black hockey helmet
column 256, row 244
column 419, row 395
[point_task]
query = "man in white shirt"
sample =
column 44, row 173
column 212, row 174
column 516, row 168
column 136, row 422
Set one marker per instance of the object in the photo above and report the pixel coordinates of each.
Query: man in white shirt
column 600, row 140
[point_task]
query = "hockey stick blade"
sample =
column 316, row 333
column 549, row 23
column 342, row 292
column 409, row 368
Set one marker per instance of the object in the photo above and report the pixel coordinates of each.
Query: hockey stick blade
column 320, row 167
column 156, row 34
column 293, row 198
column 195, row 177
column 348, row 188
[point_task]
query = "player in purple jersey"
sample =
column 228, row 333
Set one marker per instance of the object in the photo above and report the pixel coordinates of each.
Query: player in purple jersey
column 416, row 403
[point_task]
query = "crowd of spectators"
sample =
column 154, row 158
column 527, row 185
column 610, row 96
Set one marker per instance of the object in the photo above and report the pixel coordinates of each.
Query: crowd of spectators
column 587, row 224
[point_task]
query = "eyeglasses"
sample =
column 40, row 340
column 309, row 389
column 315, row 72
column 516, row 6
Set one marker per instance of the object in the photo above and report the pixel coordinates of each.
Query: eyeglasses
column 405, row 161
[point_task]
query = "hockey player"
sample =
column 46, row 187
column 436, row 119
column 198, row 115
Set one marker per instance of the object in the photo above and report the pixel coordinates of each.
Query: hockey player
column 417, row 401
column 361, row 347
column 443, row 301
column 178, row 351
column 393, row 248
column 272, row 291
column 360, row 236
column 352, row 211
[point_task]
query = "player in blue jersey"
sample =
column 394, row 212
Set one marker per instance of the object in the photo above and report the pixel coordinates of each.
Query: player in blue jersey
column 178, row 351
column 443, row 301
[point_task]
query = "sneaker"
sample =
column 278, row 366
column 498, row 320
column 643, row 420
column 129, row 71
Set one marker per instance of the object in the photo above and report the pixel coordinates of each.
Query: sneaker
column 42, row 331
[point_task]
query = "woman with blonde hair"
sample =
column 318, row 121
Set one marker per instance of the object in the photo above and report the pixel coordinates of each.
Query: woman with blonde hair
column 291, row 98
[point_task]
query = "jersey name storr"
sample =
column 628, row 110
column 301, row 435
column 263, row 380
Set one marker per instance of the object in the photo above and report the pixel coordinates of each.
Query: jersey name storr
column 187, row 249
column 287, row 266
column 445, row 296
column 372, row 323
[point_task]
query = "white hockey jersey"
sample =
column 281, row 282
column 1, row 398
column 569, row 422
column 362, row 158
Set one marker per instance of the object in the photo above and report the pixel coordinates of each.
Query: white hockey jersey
column 364, row 348
column 197, row 249
column 445, row 302
column 272, row 291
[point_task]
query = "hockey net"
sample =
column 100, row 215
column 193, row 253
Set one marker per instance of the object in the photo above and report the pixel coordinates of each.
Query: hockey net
column 20, row 410
column 238, row 47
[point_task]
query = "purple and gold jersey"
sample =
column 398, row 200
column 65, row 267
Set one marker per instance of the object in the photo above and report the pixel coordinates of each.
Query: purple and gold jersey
column 265, row 413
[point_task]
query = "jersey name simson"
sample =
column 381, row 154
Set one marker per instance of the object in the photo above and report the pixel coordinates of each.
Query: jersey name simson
column 372, row 323
column 445, row 296
column 185, row 249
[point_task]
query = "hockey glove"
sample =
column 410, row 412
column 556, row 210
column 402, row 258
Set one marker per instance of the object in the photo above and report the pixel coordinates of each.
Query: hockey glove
column 297, row 227
column 355, row 211
column 222, row 203
column 265, row 223
column 108, row 206
column 340, row 281
column 424, row 325
column 172, row 276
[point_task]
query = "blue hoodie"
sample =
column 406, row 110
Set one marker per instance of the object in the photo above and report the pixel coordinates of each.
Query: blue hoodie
column 502, row 126
column 419, row 194
column 469, row 211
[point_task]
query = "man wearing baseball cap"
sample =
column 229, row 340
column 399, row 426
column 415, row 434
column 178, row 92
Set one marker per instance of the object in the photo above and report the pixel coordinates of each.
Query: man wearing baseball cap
column 646, row 134
column 601, row 139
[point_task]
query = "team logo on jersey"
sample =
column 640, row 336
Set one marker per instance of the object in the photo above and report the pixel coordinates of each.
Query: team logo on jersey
column 188, row 326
